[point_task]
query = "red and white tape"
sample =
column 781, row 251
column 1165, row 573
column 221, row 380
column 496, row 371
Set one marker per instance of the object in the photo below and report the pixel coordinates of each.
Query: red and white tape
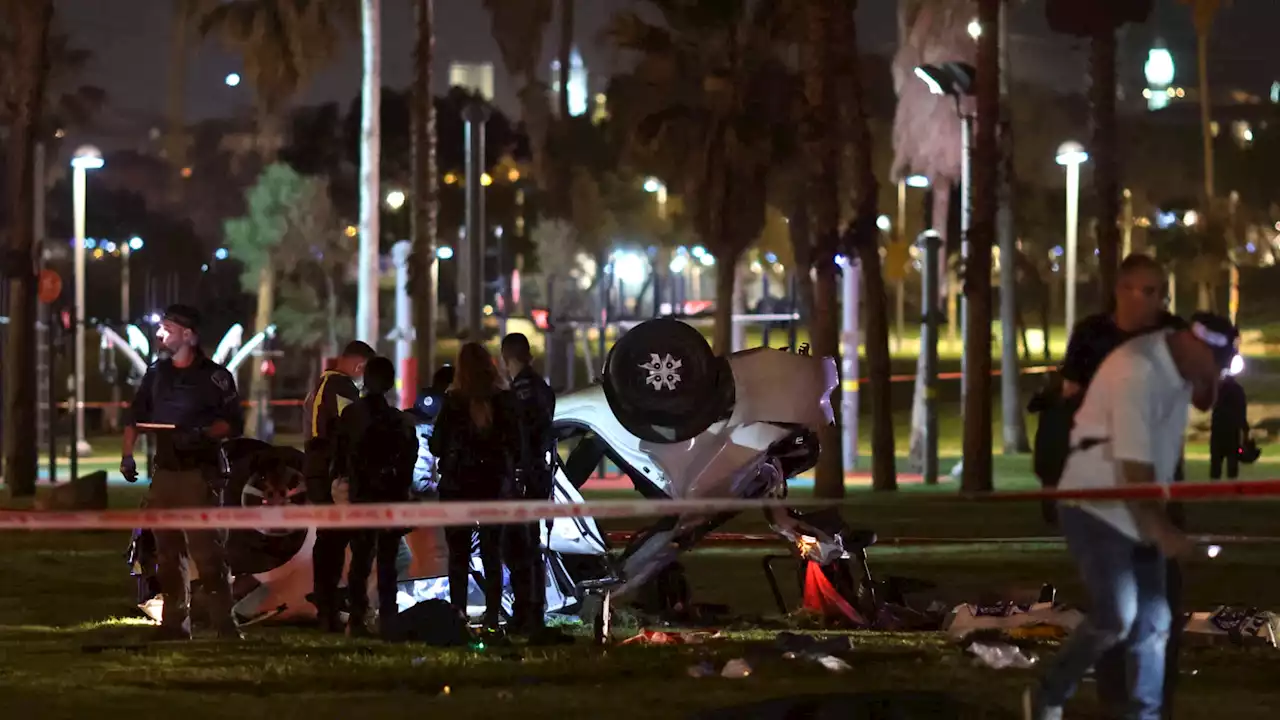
column 443, row 514
column 431, row 514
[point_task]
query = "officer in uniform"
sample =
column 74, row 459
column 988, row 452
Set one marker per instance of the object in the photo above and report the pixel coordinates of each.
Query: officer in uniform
column 335, row 392
column 536, row 405
column 195, row 395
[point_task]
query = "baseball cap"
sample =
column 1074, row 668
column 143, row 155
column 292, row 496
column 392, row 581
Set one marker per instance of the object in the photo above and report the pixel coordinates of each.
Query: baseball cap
column 1219, row 333
column 183, row 316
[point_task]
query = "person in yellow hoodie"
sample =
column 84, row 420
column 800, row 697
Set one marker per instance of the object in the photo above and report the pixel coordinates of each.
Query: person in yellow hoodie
column 335, row 391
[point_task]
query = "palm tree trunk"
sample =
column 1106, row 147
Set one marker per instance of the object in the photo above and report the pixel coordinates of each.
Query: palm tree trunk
column 266, row 306
column 1013, row 422
column 370, row 144
column 567, row 12
column 726, row 281
column 425, row 191
column 865, row 240
column 1106, row 171
column 31, row 19
column 176, row 142
column 269, row 129
column 977, row 412
column 823, row 143
column 802, row 249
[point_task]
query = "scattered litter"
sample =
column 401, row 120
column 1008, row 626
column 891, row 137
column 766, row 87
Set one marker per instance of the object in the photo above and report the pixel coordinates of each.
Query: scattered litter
column 1241, row 626
column 658, row 637
column 832, row 663
column 999, row 656
column 807, row 647
column 1006, row 617
column 736, row 669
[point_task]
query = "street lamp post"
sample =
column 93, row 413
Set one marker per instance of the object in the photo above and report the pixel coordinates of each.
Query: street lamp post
column 86, row 158
column 1071, row 155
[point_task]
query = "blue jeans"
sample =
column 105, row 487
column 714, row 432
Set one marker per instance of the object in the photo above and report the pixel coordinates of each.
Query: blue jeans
column 1126, row 583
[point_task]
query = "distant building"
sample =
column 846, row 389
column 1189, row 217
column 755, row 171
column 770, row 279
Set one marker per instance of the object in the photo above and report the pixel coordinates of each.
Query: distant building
column 578, row 89
column 476, row 77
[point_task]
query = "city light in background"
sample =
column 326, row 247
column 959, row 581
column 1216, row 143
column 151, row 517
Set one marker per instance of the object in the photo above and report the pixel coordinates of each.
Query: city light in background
column 232, row 79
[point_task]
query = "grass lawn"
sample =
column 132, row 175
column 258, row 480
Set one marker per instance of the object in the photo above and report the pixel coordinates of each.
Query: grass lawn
column 65, row 596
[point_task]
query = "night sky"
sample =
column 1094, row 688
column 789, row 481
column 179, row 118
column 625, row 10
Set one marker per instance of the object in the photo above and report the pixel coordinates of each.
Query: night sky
column 130, row 42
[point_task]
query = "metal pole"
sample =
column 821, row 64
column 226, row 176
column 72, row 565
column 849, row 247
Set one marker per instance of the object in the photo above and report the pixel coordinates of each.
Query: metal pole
column 1128, row 222
column 78, row 358
column 404, row 333
column 52, row 430
column 849, row 362
column 929, row 346
column 470, row 284
column 966, row 219
column 900, row 232
column 370, row 173
column 1073, row 212
column 605, row 283
column 738, row 335
column 793, row 292
column 78, row 199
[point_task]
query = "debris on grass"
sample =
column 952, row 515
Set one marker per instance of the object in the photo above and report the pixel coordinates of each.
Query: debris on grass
column 658, row 637
column 736, row 669
column 1007, row 617
column 999, row 656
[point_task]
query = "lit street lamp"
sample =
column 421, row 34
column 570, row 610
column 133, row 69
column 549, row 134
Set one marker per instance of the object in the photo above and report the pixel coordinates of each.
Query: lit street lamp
column 395, row 199
column 232, row 79
column 86, row 158
column 1071, row 154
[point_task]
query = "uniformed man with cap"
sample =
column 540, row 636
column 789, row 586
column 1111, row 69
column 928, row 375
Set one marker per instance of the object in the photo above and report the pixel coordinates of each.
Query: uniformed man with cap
column 536, row 406
column 196, row 399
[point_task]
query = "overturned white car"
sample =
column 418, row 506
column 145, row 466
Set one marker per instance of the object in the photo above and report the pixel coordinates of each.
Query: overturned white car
column 678, row 422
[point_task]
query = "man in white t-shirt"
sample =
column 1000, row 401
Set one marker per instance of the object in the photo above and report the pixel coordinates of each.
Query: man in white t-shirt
column 1130, row 431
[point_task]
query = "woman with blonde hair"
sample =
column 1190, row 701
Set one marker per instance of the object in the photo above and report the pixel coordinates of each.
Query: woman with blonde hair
column 475, row 437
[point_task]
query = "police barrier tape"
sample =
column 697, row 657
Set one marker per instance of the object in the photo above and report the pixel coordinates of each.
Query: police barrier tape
column 444, row 514
column 293, row 402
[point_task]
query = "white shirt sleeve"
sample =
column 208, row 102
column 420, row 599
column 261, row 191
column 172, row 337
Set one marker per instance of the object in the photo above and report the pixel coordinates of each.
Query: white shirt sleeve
column 1133, row 411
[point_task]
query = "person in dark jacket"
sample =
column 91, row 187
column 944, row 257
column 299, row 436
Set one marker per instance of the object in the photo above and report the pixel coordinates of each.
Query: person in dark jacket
column 522, row 543
column 333, row 394
column 375, row 451
column 1228, row 429
column 475, row 441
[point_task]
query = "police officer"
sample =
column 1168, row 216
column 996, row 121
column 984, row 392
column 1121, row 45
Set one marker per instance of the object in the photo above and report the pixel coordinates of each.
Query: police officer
column 335, row 392
column 536, row 405
column 198, row 398
column 1228, row 429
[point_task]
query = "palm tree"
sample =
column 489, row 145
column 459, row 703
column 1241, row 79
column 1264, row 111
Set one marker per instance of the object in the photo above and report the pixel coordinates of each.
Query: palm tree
column 1099, row 20
column 977, row 412
column 708, row 109
column 185, row 14
column 426, row 192
column 282, row 44
column 517, row 26
column 926, row 131
column 823, row 143
column 30, row 21
column 862, row 235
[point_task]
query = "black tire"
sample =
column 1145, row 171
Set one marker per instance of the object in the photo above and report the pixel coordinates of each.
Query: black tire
column 664, row 384
column 262, row 474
